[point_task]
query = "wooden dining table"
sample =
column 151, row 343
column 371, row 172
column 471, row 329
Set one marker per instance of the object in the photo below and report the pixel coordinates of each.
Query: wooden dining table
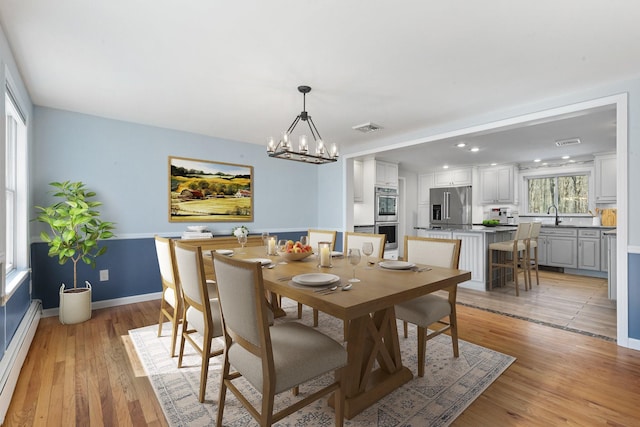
column 368, row 307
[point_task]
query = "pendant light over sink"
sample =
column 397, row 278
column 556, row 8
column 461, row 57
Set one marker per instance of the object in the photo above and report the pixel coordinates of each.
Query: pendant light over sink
column 284, row 149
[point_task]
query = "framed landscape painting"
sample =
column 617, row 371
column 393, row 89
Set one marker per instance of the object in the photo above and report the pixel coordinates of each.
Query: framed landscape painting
column 206, row 191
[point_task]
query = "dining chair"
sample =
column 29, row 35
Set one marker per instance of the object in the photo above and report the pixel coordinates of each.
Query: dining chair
column 518, row 248
column 355, row 240
column 171, row 300
column 315, row 237
column 201, row 321
column 271, row 358
column 532, row 250
column 431, row 309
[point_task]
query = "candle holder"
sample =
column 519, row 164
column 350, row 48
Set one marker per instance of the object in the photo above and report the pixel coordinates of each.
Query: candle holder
column 272, row 245
column 324, row 254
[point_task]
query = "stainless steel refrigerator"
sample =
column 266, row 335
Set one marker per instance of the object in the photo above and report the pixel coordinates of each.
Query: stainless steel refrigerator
column 450, row 207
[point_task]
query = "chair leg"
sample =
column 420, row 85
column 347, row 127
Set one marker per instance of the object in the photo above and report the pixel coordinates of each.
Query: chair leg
column 406, row 328
column 182, row 340
column 204, row 369
column 315, row 317
column 160, row 320
column 535, row 257
column 422, row 349
column 299, row 311
column 515, row 271
column 223, row 390
column 295, row 391
column 174, row 335
column 453, row 321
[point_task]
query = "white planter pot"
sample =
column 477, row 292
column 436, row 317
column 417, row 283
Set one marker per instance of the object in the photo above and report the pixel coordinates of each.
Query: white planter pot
column 75, row 304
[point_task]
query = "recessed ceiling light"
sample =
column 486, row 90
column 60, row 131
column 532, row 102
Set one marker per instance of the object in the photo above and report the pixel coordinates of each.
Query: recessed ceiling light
column 537, row 160
column 445, row 167
column 565, row 157
column 474, row 149
column 572, row 161
column 545, row 164
column 493, row 164
column 461, row 144
column 367, row 127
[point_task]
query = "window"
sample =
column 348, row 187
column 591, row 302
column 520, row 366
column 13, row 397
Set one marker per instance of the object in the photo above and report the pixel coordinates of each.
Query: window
column 15, row 179
column 570, row 193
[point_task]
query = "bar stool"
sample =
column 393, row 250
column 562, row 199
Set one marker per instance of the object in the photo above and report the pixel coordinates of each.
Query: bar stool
column 534, row 232
column 519, row 249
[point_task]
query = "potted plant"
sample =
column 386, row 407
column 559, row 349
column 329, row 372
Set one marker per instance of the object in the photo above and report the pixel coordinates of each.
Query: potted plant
column 75, row 229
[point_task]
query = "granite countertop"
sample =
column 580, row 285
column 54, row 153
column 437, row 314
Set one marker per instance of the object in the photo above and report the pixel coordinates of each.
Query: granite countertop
column 509, row 227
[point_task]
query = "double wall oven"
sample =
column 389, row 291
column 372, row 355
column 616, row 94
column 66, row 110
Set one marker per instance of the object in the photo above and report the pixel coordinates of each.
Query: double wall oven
column 386, row 215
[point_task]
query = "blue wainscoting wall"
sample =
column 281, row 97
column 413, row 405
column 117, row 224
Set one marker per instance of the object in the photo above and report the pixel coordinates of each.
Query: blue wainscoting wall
column 132, row 264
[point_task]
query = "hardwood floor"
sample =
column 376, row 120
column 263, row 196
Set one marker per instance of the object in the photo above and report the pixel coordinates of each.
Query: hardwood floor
column 82, row 375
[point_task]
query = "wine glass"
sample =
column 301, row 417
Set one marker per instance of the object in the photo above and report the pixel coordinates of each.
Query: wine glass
column 282, row 248
column 265, row 237
column 242, row 239
column 367, row 249
column 304, row 240
column 354, row 259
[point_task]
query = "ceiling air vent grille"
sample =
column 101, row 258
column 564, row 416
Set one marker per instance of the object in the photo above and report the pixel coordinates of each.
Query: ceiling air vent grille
column 367, row 127
column 565, row 142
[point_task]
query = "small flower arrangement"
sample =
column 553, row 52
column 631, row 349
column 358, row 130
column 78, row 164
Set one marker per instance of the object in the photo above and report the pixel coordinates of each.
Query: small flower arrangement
column 240, row 230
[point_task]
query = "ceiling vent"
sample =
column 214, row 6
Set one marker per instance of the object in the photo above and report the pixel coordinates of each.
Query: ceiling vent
column 565, row 142
column 367, row 127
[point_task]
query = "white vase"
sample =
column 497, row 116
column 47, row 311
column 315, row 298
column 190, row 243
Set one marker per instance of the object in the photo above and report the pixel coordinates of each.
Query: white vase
column 75, row 304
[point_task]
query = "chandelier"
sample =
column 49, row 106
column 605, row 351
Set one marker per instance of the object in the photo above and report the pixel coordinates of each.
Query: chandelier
column 284, row 149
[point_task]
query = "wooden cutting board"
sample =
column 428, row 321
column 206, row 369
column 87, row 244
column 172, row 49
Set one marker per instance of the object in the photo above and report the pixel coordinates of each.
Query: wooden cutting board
column 609, row 217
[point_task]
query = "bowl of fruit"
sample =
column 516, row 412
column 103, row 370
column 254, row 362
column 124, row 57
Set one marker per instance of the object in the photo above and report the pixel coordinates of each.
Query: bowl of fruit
column 295, row 251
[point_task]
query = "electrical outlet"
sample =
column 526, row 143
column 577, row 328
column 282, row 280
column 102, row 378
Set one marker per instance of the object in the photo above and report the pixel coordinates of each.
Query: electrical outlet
column 104, row 275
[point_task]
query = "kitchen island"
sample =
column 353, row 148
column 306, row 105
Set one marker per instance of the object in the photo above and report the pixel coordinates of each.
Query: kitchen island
column 576, row 249
column 474, row 251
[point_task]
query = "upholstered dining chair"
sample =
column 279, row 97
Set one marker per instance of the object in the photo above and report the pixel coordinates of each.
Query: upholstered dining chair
column 271, row 358
column 201, row 321
column 355, row 240
column 518, row 248
column 430, row 309
column 315, row 237
column 171, row 300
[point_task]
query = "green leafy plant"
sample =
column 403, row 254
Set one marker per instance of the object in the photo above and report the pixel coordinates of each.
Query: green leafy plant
column 75, row 226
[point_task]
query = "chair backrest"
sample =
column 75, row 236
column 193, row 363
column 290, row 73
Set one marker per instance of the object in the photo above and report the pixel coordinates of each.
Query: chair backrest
column 431, row 251
column 191, row 276
column 243, row 306
column 166, row 261
column 534, row 230
column 316, row 236
column 522, row 233
column 355, row 240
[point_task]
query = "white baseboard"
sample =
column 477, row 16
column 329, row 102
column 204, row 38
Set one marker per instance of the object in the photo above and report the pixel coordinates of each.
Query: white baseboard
column 477, row 286
column 51, row 312
column 13, row 358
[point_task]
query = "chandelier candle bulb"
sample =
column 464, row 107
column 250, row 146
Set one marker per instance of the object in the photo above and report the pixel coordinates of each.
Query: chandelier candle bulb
column 303, row 147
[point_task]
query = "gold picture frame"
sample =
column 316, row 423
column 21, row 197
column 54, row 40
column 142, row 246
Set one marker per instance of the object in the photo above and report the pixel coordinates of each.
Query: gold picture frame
column 208, row 191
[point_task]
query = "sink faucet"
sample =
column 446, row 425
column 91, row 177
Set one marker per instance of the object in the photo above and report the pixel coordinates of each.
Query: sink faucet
column 556, row 208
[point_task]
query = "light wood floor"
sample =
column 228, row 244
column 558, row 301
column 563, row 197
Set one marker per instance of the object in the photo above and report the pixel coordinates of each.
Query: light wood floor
column 82, row 375
column 573, row 302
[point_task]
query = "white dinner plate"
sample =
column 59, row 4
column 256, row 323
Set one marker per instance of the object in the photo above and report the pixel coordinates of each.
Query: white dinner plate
column 315, row 279
column 396, row 265
column 224, row 251
column 263, row 261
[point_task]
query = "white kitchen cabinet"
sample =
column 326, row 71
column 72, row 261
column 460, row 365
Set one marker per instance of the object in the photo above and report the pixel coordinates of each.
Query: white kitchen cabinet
column 453, row 177
column 386, row 174
column 605, row 177
column 497, row 185
column 435, row 234
column 358, row 181
column 589, row 249
column 425, row 183
column 560, row 245
column 424, row 217
column 604, row 252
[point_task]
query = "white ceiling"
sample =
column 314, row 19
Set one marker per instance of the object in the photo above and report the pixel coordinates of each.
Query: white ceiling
column 230, row 69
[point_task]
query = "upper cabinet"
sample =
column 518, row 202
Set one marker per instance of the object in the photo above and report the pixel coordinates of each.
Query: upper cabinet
column 358, row 181
column 425, row 183
column 605, row 178
column 386, row 174
column 453, row 177
column 497, row 184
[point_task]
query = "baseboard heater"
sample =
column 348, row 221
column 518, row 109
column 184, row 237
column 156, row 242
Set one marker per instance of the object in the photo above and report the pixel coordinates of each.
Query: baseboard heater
column 14, row 357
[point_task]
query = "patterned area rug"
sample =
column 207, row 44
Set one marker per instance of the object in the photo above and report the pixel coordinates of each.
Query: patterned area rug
column 450, row 384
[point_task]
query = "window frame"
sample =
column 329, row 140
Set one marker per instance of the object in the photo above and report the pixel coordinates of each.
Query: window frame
column 18, row 254
column 555, row 172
